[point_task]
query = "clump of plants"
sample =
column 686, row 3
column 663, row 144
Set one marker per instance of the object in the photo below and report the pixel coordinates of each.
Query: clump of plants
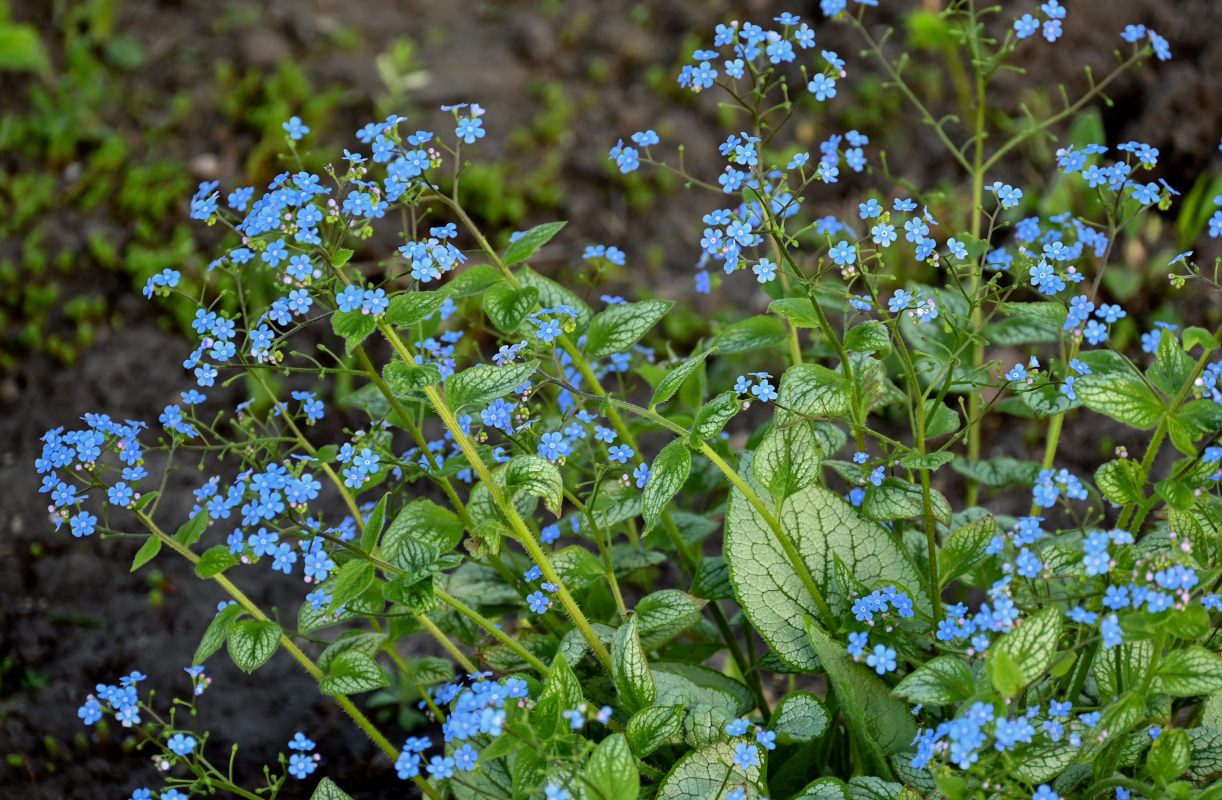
column 775, row 564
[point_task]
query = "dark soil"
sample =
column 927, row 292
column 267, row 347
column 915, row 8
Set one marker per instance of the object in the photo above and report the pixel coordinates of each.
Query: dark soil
column 72, row 616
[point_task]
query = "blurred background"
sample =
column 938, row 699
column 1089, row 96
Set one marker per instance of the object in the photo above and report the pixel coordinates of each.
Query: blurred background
column 112, row 112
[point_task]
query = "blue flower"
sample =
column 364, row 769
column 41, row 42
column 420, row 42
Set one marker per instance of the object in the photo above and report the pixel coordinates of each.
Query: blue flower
column 746, row 756
column 181, row 744
column 301, row 765
column 469, row 129
column 882, row 659
column 823, row 87
column 842, row 253
column 538, row 602
column 857, row 643
column 765, row 270
column 736, row 727
column 764, row 391
column 883, row 234
column 1026, row 25
column 620, row 454
column 295, row 128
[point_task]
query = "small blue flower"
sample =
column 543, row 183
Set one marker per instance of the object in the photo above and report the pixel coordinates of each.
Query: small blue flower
column 469, row 129
column 295, row 128
column 538, row 602
column 746, row 756
column 181, row 744
column 882, row 659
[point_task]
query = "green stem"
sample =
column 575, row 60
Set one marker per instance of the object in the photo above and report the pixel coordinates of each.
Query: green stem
column 359, row 520
column 603, row 550
column 520, row 529
column 288, row 644
column 417, row 435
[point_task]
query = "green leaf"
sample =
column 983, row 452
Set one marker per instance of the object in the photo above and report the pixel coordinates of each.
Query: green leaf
column 704, row 773
column 694, row 684
column 252, row 642
column 818, row 523
column 672, row 380
column 424, row 521
column 824, row 789
column 150, row 548
column 1121, row 395
column 753, row 333
column 652, row 727
column 1194, row 336
column 327, row 790
column 787, row 459
column 811, row 390
column 1043, row 762
column 352, row 672
column 413, row 591
column 1027, row 323
column 367, row 643
column 899, row 499
column 941, row 681
column 405, row 379
column 507, row 306
column 872, row 787
column 667, row 475
column 611, row 771
column 552, row 294
column 798, row 310
column 408, row 308
column 341, row 258
column 712, row 579
column 483, row 383
column 1190, row 671
column 997, row 472
column 940, row 419
column 929, row 461
column 21, row 50
column 214, row 561
column 190, row 531
column 1121, row 481
column 1177, row 494
column 1118, row 719
column 351, row 580
column 216, row 633
column 353, row 326
column 373, row 525
column 714, row 415
column 525, row 245
column 1169, row 756
column 799, row 717
column 882, row 724
column 1172, row 368
column 663, row 615
column 537, row 476
column 1031, row 647
column 965, row 548
column 562, row 683
column 473, row 280
column 869, row 337
column 630, row 669
column 1206, row 750
column 621, row 326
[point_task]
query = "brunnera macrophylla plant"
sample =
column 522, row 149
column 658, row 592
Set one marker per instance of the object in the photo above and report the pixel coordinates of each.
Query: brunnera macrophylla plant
column 559, row 507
